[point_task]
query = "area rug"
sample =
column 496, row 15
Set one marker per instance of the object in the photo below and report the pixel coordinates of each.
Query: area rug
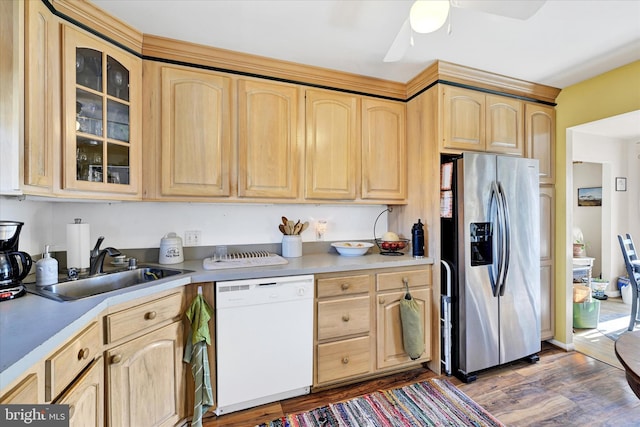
column 435, row 402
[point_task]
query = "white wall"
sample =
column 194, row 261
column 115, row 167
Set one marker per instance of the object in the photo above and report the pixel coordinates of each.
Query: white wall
column 589, row 218
column 619, row 158
column 142, row 224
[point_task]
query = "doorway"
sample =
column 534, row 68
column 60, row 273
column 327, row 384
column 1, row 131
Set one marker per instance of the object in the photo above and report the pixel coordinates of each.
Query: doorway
column 597, row 154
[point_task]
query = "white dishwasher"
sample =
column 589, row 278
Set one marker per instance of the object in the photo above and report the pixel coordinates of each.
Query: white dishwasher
column 264, row 340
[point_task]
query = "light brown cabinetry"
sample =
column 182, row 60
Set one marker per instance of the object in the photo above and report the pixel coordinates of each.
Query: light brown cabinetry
column 359, row 333
column 144, row 379
column 547, row 231
column 540, row 126
column 101, row 116
column 195, row 133
column 42, row 98
column 145, row 375
column 65, row 364
column 477, row 121
column 86, row 397
column 332, row 145
column 269, row 140
column 343, row 348
column 384, row 151
column 72, row 374
column 390, row 290
column 27, row 390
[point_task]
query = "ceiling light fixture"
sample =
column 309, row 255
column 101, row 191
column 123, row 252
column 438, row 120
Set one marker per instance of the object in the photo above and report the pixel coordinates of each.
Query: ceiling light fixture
column 427, row 16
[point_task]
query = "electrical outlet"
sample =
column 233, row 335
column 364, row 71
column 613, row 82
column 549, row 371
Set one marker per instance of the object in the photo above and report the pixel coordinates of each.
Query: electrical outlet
column 192, row 238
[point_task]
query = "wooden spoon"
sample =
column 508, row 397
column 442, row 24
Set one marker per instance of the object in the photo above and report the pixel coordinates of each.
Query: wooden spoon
column 305, row 225
column 297, row 229
column 290, row 225
column 281, row 227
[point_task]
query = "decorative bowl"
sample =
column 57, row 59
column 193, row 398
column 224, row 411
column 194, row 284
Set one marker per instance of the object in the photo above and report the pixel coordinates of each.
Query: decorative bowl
column 352, row 248
column 392, row 247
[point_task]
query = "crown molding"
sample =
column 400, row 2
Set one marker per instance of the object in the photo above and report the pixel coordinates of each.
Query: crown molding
column 441, row 71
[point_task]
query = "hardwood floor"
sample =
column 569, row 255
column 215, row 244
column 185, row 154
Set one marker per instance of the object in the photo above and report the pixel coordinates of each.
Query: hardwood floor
column 562, row 389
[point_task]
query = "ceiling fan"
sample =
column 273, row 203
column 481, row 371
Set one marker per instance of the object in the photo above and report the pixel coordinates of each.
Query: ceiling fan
column 427, row 16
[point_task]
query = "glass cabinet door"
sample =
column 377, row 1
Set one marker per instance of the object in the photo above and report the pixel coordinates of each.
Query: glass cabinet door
column 102, row 152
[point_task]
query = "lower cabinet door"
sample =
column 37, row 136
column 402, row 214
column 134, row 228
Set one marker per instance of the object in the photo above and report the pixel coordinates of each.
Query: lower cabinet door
column 145, row 379
column 86, row 397
column 390, row 347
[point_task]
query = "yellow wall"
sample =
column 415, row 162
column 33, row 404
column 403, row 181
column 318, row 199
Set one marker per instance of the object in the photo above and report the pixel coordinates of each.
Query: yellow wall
column 609, row 94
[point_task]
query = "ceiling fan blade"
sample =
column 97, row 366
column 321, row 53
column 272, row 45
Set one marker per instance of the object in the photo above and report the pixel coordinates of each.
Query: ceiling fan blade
column 400, row 43
column 518, row 9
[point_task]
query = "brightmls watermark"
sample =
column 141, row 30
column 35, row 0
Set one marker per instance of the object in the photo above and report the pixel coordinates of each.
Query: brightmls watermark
column 34, row 415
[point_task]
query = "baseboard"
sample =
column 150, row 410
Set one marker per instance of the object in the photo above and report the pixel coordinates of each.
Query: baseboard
column 562, row 345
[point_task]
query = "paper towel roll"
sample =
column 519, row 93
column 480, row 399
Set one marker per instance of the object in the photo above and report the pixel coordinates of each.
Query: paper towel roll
column 78, row 245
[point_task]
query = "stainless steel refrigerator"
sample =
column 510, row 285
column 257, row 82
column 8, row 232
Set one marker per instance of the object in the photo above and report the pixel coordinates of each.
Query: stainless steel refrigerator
column 491, row 237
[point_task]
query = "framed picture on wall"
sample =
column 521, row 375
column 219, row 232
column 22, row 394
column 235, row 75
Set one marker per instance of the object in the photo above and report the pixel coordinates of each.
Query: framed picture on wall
column 621, row 184
column 590, row 196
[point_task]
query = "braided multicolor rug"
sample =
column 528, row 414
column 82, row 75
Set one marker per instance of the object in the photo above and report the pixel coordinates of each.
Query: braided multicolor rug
column 435, row 402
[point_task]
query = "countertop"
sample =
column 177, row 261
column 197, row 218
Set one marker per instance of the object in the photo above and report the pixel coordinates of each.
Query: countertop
column 31, row 327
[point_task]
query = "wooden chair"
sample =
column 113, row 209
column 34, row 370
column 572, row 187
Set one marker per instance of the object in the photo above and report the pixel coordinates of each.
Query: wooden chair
column 633, row 270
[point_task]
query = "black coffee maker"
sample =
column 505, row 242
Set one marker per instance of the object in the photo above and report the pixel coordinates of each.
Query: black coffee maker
column 14, row 265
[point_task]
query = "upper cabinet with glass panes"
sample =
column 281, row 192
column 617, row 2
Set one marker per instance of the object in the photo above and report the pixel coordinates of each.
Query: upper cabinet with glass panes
column 102, row 93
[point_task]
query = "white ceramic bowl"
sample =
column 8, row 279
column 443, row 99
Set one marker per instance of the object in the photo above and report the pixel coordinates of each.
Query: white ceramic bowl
column 352, row 248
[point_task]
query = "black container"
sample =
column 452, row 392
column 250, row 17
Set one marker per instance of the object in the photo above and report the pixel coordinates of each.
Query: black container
column 417, row 239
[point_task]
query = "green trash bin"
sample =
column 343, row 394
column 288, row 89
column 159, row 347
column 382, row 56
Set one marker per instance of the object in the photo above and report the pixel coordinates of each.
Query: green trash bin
column 586, row 314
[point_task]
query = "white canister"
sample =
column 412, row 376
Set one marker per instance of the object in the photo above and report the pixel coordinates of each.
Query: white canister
column 171, row 249
column 292, row 246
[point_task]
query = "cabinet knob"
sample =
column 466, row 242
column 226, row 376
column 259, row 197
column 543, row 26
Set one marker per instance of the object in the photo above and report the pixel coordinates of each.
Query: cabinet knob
column 116, row 358
column 345, row 286
column 150, row 315
column 345, row 360
column 83, row 353
column 345, row 318
column 381, row 301
column 72, row 410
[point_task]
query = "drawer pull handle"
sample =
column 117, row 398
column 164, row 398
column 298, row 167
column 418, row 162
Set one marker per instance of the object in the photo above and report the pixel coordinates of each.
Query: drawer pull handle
column 345, row 318
column 345, row 360
column 83, row 353
column 117, row 358
column 150, row 315
column 345, row 286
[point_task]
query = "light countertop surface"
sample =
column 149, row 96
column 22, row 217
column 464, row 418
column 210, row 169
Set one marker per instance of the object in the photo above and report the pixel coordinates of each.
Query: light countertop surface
column 31, row 327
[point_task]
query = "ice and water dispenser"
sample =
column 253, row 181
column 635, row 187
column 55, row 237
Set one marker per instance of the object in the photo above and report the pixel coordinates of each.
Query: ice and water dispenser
column 481, row 243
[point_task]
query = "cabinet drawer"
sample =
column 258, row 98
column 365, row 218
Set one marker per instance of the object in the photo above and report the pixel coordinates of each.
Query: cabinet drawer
column 343, row 317
column 64, row 365
column 126, row 322
column 390, row 281
column 25, row 392
column 343, row 359
column 347, row 285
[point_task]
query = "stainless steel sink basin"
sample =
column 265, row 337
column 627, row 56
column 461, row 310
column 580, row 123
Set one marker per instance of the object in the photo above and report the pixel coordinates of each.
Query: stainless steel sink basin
column 107, row 282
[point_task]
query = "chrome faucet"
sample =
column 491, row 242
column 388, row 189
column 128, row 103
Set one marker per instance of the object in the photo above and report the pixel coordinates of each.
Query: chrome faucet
column 96, row 264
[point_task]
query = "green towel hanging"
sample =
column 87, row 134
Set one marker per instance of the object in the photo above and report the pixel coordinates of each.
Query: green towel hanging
column 195, row 353
column 412, row 325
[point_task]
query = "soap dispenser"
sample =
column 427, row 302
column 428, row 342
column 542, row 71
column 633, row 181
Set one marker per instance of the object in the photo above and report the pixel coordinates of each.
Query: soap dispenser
column 46, row 269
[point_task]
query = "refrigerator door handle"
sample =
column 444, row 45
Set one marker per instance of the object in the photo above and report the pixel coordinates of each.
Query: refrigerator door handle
column 506, row 246
column 495, row 216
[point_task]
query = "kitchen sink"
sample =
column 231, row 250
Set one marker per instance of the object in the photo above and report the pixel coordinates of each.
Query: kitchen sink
column 71, row 290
